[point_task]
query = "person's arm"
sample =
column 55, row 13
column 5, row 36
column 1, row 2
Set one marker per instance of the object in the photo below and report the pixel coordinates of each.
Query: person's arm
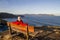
column 21, row 21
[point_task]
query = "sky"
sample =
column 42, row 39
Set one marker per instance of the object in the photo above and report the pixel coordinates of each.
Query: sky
column 30, row 6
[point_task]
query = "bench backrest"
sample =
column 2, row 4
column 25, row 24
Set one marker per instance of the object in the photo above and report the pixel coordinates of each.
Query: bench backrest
column 21, row 27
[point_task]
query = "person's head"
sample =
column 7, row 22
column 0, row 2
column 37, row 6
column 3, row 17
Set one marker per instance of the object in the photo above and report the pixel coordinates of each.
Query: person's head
column 19, row 18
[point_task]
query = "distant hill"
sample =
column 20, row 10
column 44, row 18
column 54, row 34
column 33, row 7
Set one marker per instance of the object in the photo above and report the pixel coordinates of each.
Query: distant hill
column 46, row 14
column 39, row 15
column 8, row 15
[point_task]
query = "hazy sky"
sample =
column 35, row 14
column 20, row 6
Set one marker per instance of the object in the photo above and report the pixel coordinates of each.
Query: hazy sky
column 30, row 6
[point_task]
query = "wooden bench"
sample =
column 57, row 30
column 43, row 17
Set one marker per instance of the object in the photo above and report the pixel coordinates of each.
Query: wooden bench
column 22, row 29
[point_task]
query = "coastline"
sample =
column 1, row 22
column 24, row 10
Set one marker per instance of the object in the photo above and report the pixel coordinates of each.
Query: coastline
column 45, row 33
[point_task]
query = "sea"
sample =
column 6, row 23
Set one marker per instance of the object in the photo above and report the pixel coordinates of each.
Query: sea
column 36, row 20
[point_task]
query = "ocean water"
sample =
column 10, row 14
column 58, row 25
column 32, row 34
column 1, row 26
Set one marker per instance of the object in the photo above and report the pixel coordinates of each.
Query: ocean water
column 36, row 21
column 39, row 20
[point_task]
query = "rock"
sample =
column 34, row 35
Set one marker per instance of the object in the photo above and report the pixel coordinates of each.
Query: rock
column 6, row 37
column 3, row 22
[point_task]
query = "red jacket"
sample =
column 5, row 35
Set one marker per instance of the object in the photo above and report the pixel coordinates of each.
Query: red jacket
column 20, row 23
